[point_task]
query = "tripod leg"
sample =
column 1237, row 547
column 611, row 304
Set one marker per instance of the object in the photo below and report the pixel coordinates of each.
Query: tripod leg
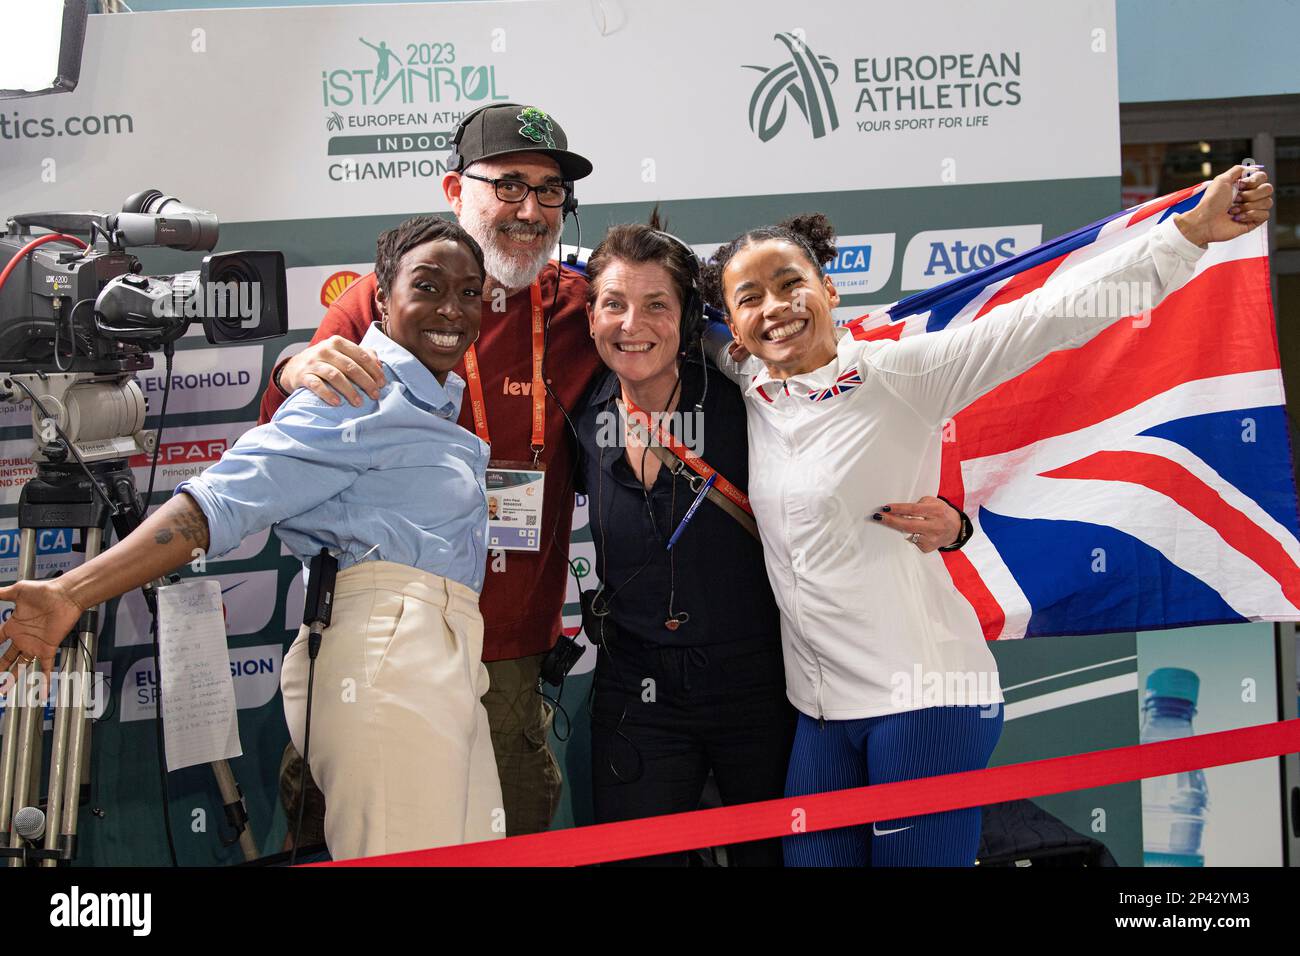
column 30, row 715
column 63, row 715
column 66, row 759
column 8, row 758
column 26, row 729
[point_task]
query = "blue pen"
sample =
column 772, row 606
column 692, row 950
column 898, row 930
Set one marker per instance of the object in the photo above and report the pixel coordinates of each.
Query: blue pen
column 690, row 512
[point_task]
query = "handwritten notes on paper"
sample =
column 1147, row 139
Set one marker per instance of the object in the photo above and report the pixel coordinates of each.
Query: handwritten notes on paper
column 198, row 695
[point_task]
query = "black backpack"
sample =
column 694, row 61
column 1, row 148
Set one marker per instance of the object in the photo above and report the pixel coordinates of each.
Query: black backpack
column 1020, row 833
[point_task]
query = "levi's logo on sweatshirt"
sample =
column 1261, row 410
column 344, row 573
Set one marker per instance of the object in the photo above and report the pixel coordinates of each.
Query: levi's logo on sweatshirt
column 518, row 388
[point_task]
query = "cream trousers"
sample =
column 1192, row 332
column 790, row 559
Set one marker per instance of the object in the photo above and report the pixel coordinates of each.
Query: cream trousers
column 400, row 744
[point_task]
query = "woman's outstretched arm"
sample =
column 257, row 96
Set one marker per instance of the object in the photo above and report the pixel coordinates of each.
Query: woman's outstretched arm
column 307, row 454
column 46, row 610
column 940, row 373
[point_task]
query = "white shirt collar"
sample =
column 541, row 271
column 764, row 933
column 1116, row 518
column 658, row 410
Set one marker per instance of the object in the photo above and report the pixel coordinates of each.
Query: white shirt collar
column 806, row 383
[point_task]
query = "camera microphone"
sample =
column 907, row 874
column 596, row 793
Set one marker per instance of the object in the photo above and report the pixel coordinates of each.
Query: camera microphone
column 148, row 218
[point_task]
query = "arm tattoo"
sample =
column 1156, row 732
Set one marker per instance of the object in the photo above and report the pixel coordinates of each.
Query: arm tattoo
column 187, row 520
column 193, row 527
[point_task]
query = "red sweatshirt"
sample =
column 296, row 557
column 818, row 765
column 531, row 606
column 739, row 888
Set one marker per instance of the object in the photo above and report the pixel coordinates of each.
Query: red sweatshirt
column 521, row 603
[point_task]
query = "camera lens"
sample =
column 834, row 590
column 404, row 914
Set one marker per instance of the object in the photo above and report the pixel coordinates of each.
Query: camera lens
column 244, row 296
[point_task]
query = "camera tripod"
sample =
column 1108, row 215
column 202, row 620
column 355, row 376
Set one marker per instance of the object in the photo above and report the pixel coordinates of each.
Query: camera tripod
column 64, row 495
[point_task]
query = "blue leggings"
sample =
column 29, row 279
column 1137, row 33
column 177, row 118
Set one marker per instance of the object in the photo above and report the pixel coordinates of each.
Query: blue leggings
column 835, row 754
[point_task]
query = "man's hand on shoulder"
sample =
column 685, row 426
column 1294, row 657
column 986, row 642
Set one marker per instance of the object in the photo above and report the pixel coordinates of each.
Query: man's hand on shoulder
column 334, row 367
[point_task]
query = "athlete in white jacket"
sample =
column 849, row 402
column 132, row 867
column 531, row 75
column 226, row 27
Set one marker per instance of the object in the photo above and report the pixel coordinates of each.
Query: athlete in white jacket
column 837, row 428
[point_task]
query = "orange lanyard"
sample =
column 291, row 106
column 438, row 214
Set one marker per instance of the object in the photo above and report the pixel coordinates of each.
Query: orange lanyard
column 692, row 460
column 475, row 380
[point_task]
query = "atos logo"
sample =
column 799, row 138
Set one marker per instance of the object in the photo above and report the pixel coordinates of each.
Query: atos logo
column 936, row 256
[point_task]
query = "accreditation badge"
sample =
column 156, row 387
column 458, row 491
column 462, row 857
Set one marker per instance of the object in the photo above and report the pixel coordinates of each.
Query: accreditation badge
column 514, row 499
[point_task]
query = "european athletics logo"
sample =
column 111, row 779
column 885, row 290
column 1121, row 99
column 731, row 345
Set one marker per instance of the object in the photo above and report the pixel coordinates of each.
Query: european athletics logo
column 806, row 78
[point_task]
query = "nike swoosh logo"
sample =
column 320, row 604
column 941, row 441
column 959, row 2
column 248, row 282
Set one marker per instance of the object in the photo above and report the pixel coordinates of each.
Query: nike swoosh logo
column 876, row 831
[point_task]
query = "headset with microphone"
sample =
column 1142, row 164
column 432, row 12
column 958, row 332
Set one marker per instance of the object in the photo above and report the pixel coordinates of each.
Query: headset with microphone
column 693, row 319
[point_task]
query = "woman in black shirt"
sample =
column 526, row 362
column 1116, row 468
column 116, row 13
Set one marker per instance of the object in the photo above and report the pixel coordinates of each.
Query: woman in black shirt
column 689, row 677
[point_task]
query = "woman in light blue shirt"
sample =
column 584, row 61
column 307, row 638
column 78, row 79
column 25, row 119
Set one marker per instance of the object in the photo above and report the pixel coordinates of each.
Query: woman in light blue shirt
column 394, row 488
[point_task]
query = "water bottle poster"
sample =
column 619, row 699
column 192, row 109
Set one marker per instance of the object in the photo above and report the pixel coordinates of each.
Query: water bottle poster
column 1199, row 680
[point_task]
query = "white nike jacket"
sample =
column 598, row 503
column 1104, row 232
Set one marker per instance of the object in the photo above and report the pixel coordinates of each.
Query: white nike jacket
column 869, row 624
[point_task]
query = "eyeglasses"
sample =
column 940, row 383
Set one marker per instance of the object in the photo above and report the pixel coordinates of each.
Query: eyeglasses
column 552, row 195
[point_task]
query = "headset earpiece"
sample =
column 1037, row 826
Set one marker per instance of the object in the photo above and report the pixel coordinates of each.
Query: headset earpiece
column 692, row 324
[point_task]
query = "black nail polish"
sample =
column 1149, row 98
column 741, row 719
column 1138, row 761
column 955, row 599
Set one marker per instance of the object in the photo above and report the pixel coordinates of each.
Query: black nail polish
column 886, row 508
column 877, row 517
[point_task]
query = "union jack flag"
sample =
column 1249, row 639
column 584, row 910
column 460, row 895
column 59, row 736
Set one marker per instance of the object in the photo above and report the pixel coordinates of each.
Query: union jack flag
column 1141, row 481
column 844, row 383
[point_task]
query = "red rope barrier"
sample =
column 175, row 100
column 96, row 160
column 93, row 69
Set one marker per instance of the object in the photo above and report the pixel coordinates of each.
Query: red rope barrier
column 823, row 811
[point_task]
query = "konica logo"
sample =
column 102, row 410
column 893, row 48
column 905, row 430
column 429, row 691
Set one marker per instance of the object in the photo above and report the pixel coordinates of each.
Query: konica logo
column 851, row 259
column 48, row 541
column 862, row 264
column 936, row 256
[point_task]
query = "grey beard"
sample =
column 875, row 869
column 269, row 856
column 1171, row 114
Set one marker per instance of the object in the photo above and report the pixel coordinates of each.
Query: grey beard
column 515, row 273
column 512, row 272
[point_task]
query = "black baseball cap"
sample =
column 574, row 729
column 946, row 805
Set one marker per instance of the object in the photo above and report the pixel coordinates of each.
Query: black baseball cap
column 504, row 128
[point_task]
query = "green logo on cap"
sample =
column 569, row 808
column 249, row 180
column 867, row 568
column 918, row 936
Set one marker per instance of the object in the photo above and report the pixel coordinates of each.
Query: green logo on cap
column 536, row 125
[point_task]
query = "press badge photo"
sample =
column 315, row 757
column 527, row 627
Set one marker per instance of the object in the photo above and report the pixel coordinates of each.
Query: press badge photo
column 514, row 507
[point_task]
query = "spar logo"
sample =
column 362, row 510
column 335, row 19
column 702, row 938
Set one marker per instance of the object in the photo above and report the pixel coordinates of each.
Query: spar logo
column 804, row 79
column 203, row 451
column 336, row 285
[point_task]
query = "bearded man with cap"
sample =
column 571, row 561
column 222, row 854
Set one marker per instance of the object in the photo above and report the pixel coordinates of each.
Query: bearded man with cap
column 510, row 184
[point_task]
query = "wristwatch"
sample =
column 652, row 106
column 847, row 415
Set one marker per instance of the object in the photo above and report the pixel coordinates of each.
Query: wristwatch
column 967, row 529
